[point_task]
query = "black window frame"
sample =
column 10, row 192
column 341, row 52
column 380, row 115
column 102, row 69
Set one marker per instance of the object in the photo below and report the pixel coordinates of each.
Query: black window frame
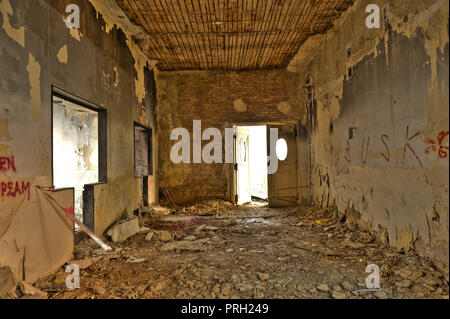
column 149, row 131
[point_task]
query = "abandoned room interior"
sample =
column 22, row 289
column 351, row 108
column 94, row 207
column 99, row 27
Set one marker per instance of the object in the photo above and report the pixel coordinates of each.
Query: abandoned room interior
column 224, row 149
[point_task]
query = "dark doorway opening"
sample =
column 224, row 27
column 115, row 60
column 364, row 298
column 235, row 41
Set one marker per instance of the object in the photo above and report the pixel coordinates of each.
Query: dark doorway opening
column 145, row 200
column 143, row 162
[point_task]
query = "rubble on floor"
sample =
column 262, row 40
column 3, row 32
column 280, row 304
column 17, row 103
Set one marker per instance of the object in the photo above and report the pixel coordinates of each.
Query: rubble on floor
column 205, row 208
column 8, row 283
column 123, row 230
column 28, row 291
column 249, row 252
column 186, row 245
column 10, row 288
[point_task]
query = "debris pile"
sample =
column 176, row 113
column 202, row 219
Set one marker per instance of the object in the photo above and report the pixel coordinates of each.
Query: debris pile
column 123, row 230
column 208, row 208
column 249, row 252
column 10, row 288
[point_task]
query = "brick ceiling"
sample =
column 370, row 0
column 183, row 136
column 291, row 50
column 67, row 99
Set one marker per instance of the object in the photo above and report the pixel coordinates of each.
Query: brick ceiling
column 229, row 34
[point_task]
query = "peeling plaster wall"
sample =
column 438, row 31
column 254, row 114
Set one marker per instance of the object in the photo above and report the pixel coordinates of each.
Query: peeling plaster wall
column 219, row 100
column 379, row 110
column 98, row 62
column 75, row 155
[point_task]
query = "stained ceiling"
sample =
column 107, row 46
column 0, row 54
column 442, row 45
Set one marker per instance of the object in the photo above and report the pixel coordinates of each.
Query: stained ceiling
column 229, row 34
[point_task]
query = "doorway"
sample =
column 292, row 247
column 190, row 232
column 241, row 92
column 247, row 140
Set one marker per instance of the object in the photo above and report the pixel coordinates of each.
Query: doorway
column 251, row 164
column 79, row 150
column 143, row 163
column 252, row 181
column 283, row 184
column 75, row 148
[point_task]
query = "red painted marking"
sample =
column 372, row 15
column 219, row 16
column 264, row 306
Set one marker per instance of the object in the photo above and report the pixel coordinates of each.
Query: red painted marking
column 348, row 156
column 4, row 188
column 14, row 189
column 439, row 145
column 364, row 158
column 69, row 214
column 150, row 183
column 7, row 164
column 70, row 210
column 388, row 157
column 408, row 139
column 26, row 188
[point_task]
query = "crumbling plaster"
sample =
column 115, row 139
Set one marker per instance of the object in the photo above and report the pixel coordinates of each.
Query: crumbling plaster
column 102, row 65
column 219, row 99
column 372, row 87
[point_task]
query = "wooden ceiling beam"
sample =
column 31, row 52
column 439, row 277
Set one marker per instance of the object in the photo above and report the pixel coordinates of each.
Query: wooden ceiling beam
column 229, row 34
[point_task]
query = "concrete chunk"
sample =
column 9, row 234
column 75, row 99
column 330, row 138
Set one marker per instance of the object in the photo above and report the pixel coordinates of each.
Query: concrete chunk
column 124, row 230
column 150, row 236
column 8, row 283
column 165, row 236
column 29, row 290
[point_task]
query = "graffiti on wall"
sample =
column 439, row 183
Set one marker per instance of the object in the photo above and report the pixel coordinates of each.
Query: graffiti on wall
column 7, row 164
column 12, row 189
column 439, row 146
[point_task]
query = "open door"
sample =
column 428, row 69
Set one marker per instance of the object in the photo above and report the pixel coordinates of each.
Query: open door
column 242, row 165
column 143, row 158
column 282, row 185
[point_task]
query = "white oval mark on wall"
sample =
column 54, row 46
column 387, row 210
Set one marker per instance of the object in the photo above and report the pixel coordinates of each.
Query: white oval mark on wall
column 281, row 149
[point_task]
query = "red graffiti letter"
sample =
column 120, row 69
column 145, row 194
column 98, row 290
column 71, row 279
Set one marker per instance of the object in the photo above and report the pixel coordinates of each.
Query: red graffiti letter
column 11, row 193
column 11, row 164
column 7, row 163
column 3, row 164
column 388, row 157
column 348, row 157
column 17, row 189
column 364, row 158
column 4, row 188
column 26, row 188
column 443, row 150
column 409, row 146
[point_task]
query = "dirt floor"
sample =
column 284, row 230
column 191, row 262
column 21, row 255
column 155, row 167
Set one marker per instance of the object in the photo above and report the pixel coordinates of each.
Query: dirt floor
column 220, row 251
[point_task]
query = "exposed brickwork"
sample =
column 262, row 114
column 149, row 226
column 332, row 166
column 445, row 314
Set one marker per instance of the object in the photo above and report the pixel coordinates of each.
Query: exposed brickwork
column 209, row 97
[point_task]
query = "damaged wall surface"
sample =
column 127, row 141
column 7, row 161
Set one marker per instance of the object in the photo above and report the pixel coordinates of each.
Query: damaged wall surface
column 370, row 105
column 97, row 62
column 75, row 150
column 379, row 122
column 219, row 100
